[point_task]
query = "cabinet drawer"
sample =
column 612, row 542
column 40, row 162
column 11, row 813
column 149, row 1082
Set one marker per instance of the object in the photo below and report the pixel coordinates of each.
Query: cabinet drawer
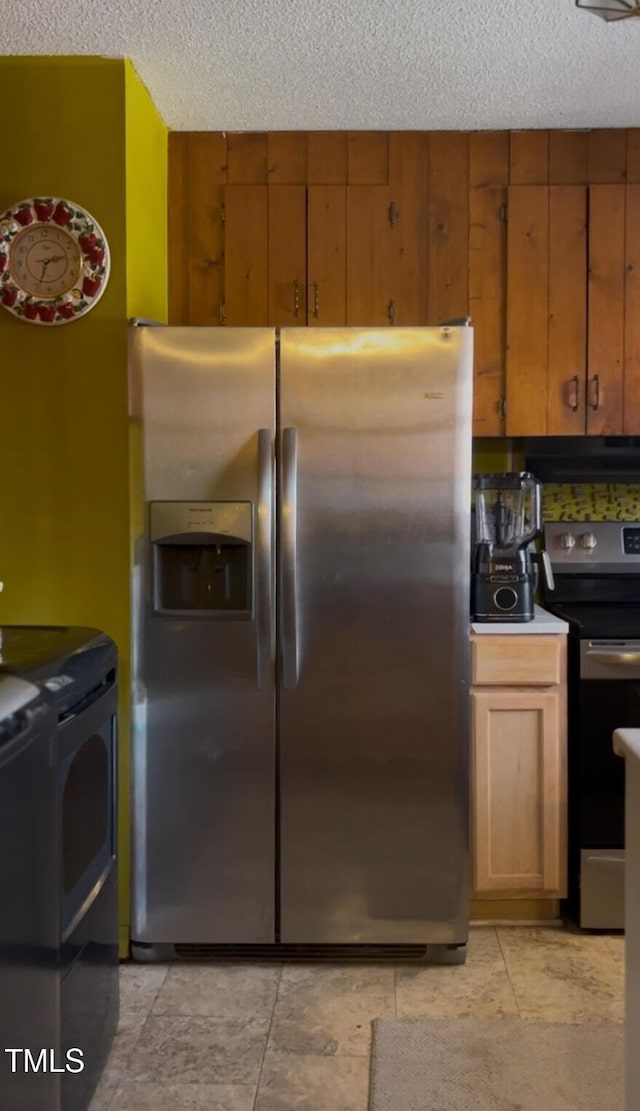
column 518, row 660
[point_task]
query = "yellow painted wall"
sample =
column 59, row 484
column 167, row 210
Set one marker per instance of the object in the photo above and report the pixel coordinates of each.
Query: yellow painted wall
column 77, row 129
column 146, row 202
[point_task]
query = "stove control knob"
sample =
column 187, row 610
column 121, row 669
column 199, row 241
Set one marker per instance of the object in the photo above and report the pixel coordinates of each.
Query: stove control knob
column 588, row 541
column 567, row 541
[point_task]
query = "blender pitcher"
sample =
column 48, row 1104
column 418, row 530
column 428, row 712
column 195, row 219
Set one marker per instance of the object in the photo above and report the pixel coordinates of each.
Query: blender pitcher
column 508, row 510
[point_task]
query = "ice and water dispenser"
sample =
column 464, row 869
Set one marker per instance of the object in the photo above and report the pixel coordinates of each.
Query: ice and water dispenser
column 202, row 558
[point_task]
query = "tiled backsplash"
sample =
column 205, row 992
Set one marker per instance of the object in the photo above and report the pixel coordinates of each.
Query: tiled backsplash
column 594, row 501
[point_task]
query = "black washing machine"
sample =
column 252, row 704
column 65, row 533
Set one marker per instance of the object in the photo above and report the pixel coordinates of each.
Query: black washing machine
column 77, row 668
column 29, row 988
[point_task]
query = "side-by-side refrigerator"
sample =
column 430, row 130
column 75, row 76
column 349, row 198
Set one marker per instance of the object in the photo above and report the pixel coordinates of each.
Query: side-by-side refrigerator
column 301, row 617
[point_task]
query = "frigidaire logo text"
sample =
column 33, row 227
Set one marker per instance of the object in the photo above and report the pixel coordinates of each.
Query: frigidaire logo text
column 23, row 1060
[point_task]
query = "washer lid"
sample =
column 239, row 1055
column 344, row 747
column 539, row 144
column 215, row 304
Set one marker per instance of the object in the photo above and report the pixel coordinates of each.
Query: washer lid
column 70, row 661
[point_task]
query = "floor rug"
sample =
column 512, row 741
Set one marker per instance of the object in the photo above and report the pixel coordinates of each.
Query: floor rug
column 470, row 1064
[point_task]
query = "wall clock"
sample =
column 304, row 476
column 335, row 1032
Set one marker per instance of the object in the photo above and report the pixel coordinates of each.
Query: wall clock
column 54, row 261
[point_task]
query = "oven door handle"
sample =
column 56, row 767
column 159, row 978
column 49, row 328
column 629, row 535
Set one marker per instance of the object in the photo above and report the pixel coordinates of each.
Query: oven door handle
column 614, row 656
column 604, row 859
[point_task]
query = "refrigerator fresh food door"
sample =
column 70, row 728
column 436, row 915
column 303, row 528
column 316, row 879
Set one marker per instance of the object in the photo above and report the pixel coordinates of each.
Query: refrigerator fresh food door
column 203, row 420
column 375, row 469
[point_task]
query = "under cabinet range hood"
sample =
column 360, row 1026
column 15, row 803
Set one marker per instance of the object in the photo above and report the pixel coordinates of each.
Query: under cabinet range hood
column 575, row 459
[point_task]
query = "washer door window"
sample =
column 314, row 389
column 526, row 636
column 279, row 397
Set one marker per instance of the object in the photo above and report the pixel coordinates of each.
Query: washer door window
column 88, row 836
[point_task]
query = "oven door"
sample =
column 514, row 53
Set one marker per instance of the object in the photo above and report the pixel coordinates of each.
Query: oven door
column 609, row 695
column 87, row 762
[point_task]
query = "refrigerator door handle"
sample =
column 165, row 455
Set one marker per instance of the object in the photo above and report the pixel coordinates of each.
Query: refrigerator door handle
column 289, row 567
column 263, row 575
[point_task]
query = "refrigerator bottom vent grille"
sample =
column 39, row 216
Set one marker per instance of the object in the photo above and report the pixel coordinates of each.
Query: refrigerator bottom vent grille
column 203, row 952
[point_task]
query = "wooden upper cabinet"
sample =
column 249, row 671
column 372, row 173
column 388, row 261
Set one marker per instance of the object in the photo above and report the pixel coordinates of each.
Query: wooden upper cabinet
column 573, row 310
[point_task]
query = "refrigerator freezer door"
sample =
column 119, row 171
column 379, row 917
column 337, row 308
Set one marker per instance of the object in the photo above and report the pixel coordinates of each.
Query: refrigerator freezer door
column 203, row 413
column 375, row 463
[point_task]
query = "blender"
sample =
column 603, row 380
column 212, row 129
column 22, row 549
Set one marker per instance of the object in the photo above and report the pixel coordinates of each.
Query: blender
column 508, row 516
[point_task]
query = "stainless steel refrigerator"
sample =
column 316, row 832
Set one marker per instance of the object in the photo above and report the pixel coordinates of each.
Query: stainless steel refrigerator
column 301, row 617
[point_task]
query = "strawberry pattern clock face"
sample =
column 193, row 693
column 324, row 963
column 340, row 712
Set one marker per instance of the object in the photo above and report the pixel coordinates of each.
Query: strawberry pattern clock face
column 54, row 261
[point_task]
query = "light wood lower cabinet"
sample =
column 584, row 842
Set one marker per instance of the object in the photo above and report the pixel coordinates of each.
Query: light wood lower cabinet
column 518, row 780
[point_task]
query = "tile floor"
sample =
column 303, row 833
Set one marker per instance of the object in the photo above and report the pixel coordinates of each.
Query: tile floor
column 297, row 1037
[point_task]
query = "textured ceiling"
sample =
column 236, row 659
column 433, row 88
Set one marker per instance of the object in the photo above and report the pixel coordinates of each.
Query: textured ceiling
column 333, row 64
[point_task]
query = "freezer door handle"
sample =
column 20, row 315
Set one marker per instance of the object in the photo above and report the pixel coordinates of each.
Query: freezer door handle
column 288, row 558
column 263, row 561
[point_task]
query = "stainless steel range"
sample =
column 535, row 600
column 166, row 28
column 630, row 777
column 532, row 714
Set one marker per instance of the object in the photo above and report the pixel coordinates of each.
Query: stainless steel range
column 596, row 566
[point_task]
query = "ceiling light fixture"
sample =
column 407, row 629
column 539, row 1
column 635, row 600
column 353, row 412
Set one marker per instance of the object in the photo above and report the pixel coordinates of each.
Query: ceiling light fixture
column 611, row 10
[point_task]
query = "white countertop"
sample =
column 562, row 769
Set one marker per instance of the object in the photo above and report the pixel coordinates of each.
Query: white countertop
column 543, row 622
column 626, row 742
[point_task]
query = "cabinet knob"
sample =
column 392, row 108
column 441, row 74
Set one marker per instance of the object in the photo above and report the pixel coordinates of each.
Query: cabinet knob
column 567, row 541
column 588, row 541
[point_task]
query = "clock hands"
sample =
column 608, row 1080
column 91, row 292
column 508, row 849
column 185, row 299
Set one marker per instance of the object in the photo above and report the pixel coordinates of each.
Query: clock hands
column 45, row 262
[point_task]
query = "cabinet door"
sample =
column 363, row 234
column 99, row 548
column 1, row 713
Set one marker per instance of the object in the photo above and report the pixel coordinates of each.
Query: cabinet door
column 246, row 255
column 384, row 267
column 287, row 266
column 326, row 255
column 607, row 217
column 518, row 793
column 546, row 310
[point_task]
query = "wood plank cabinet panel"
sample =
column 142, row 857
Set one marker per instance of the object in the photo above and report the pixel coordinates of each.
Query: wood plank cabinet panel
column 632, row 315
column 488, row 180
column 327, row 158
column 204, row 231
column 633, row 155
column 487, row 306
column 518, row 793
column 448, row 294
column 368, row 157
column 287, row 262
column 409, row 184
column 505, row 660
column 567, row 324
column 246, row 255
column 177, row 208
column 369, row 300
column 529, row 158
column 606, row 307
column 247, row 158
column 568, row 158
column 527, row 310
column 607, row 156
column 406, row 256
column 287, row 158
column 488, row 159
column 326, row 255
